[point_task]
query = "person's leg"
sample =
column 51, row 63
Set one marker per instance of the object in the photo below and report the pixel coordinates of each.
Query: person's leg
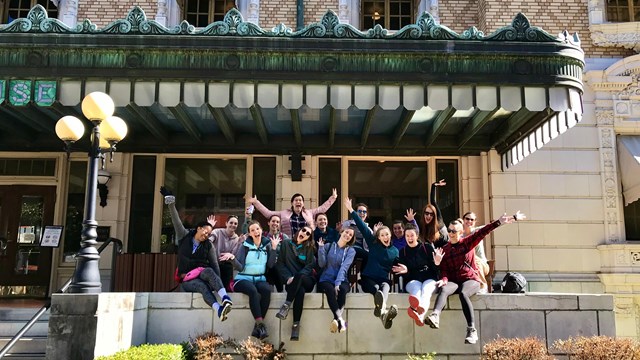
column 416, row 308
column 199, row 286
column 265, row 296
column 434, row 318
column 330, row 292
column 387, row 316
column 273, row 277
column 368, row 285
column 428, row 288
column 306, row 285
column 468, row 289
column 226, row 274
column 214, row 283
column 342, row 296
column 248, row 288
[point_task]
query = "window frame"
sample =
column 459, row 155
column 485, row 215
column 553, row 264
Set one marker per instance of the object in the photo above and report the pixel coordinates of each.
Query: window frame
column 212, row 14
column 629, row 7
column 387, row 13
column 6, row 7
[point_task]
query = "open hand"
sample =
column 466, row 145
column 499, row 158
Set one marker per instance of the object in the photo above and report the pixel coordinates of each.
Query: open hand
column 211, row 219
column 411, row 215
column 438, row 254
column 440, row 183
column 399, row 269
column 348, row 204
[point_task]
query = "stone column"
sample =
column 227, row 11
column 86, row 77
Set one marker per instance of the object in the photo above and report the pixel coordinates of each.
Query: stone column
column 609, row 174
column 67, row 11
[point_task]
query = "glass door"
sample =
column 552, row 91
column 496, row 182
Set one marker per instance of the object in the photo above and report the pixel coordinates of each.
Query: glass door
column 25, row 267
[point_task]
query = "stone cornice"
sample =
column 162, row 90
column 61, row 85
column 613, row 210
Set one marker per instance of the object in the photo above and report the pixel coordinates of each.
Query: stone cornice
column 625, row 35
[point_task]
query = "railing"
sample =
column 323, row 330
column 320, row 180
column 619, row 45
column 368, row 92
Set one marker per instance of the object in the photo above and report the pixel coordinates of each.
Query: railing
column 117, row 248
column 150, row 272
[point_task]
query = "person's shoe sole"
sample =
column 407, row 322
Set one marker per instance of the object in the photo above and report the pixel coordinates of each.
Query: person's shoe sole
column 390, row 315
column 343, row 327
column 225, row 311
column 415, row 316
column 431, row 323
column 333, row 327
column 414, row 302
column 467, row 341
column 378, row 299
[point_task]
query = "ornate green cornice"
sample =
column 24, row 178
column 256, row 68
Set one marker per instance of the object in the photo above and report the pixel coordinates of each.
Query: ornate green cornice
column 426, row 28
column 232, row 49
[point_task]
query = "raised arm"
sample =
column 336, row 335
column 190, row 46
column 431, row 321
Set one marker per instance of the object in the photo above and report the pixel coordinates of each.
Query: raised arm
column 322, row 254
column 364, row 229
column 434, row 202
column 170, row 201
column 263, row 209
column 326, row 205
column 471, row 241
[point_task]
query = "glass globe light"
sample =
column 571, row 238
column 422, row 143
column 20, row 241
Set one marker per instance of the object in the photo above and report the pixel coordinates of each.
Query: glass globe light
column 69, row 128
column 97, row 106
column 113, row 129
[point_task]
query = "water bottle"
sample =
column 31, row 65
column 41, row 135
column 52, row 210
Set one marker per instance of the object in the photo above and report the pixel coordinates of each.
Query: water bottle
column 251, row 209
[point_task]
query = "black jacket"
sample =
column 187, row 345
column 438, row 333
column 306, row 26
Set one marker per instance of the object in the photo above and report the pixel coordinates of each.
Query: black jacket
column 419, row 262
column 290, row 262
column 204, row 256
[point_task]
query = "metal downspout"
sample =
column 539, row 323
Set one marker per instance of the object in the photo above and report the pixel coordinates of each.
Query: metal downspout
column 299, row 14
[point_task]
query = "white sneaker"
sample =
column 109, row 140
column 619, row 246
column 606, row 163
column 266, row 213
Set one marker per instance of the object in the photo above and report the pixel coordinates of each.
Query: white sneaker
column 472, row 336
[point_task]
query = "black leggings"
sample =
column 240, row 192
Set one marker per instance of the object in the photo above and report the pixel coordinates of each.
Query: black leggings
column 226, row 274
column 335, row 301
column 259, row 296
column 468, row 289
column 300, row 285
column 371, row 286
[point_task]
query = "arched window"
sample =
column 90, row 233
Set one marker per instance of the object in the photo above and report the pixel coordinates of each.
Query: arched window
column 201, row 13
column 390, row 14
column 623, row 10
column 14, row 9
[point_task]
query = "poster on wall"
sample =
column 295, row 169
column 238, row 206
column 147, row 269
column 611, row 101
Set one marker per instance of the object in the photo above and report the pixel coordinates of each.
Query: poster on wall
column 51, row 236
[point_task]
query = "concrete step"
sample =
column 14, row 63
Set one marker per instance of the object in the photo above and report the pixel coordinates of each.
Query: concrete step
column 11, row 327
column 32, row 345
column 34, row 356
column 20, row 314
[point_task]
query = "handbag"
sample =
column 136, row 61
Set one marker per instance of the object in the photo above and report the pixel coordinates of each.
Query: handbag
column 193, row 274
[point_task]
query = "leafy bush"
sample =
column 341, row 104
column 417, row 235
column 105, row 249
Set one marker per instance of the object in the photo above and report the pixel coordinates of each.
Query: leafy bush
column 515, row 349
column 598, row 348
column 211, row 346
column 148, row 352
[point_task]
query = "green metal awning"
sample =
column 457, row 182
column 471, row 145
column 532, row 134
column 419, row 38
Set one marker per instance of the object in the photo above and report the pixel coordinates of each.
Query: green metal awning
column 327, row 89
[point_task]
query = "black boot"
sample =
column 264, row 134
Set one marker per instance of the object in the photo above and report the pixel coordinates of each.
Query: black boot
column 295, row 331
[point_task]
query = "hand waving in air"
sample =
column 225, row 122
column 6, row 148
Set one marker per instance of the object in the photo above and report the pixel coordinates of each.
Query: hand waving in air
column 438, row 254
column 411, row 215
column 211, row 219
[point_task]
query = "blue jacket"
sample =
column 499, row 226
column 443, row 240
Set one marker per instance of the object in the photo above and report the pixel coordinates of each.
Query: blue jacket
column 381, row 258
column 253, row 261
column 335, row 262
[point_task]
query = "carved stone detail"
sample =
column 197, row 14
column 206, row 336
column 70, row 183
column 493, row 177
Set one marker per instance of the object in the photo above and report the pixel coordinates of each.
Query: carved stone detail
column 635, row 257
column 621, row 259
column 604, row 117
column 623, row 305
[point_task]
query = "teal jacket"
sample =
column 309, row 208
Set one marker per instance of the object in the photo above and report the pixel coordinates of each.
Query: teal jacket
column 381, row 258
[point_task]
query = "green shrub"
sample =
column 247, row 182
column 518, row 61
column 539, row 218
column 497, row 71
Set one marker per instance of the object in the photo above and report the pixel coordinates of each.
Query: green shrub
column 148, row 352
column 515, row 349
column 598, row 348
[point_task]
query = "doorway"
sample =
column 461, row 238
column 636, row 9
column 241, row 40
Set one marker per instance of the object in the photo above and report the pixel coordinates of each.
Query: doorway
column 25, row 267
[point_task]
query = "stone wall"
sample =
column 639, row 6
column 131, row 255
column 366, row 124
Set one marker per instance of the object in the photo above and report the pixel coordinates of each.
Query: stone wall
column 121, row 320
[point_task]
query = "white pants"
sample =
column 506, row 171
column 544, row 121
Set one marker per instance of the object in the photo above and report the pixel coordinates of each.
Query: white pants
column 422, row 290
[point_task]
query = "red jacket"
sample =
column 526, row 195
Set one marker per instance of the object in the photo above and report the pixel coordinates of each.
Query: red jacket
column 459, row 262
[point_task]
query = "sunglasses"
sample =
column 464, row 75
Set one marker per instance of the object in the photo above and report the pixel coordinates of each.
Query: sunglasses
column 452, row 231
column 428, row 213
column 470, row 219
column 361, row 211
column 305, row 231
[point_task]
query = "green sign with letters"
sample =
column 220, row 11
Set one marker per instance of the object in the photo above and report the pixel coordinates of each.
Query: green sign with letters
column 21, row 92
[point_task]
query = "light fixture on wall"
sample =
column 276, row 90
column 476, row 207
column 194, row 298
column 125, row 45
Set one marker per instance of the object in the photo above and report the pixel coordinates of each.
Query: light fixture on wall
column 103, row 190
column 107, row 131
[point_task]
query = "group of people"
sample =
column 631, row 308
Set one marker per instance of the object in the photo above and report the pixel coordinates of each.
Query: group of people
column 300, row 251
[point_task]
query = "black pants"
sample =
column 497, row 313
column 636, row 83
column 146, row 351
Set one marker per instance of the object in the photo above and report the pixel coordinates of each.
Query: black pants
column 274, row 278
column 468, row 289
column 259, row 296
column 300, row 285
column 226, row 273
column 335, row 300
column 371, row 286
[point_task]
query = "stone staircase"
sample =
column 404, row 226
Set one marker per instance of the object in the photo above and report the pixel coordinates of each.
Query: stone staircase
column 34, row 343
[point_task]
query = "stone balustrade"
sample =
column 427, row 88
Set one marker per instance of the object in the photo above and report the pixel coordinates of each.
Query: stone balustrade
column 120, row 320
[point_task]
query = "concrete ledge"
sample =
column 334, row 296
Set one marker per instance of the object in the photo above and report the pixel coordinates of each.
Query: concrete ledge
column 126, row 319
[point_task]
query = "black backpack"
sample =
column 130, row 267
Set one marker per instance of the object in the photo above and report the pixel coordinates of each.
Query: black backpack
column 514, row 283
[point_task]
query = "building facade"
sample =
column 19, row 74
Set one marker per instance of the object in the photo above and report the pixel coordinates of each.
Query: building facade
column 216, row 138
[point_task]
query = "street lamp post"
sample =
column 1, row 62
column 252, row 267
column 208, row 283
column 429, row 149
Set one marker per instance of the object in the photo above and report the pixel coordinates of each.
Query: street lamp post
column 107, row 131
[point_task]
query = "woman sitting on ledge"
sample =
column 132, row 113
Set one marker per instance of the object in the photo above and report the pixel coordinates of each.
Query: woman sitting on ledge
column 459, row 273
column 256, row 255
column 199, row 271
